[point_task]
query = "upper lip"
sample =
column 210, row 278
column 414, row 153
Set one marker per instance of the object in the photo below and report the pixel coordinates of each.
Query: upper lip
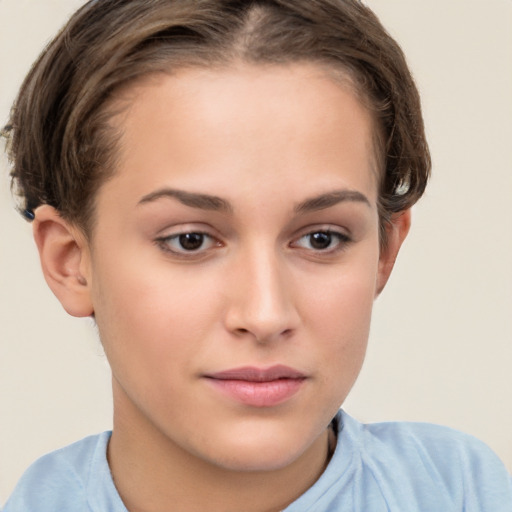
column 254, row 374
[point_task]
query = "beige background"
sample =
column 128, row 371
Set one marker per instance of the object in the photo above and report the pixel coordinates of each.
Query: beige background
column 441, row 344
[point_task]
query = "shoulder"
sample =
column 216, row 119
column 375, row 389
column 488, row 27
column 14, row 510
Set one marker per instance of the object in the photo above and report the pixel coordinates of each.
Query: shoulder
column 434, row 457
column 59, row 480
column 436, row 444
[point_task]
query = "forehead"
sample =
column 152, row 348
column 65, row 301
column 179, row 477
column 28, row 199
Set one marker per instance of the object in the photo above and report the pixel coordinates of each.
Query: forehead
column 280, row 124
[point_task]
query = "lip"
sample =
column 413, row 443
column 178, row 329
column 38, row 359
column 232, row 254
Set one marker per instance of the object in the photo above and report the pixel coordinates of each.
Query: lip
column 258, row 387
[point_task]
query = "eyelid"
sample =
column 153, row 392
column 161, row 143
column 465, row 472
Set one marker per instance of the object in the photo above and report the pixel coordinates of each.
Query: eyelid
column 163, row 242
column 343, row 237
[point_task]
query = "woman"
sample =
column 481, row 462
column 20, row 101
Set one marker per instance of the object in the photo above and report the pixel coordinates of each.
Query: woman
column 224, row 187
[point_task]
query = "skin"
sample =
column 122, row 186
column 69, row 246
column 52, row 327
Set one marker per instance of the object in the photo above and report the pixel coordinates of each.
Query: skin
column 257, row 292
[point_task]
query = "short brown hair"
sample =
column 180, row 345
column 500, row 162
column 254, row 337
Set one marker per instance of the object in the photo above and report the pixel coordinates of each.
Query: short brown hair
column 60, row 142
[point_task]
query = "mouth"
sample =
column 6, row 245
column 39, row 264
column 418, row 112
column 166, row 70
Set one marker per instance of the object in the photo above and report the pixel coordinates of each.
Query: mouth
column 258, row 387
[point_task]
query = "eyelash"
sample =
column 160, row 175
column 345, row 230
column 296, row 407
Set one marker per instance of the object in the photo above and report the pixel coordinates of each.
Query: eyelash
column 165, row 243
column 340, row 240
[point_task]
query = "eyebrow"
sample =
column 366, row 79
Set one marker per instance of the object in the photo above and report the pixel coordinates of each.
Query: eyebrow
column 192, row 199
column 329, row 199
column 215, row 203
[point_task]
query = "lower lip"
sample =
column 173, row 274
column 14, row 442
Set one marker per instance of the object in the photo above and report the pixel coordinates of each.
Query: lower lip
column 259, row 394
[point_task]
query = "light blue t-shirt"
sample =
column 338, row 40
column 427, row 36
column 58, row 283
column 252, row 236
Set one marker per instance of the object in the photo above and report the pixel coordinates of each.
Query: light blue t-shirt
column 392, row 467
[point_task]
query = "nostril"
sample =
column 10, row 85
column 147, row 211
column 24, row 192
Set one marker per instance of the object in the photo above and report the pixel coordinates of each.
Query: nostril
column 262, row 337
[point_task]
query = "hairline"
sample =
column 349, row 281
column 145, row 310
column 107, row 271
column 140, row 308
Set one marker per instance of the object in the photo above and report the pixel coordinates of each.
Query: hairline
column 120, row 101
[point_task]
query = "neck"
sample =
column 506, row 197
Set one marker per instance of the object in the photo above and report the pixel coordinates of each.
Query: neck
column 150, row 472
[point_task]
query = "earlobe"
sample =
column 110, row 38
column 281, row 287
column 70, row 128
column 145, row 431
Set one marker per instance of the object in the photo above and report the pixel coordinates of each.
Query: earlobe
column 64, row 256
column 396, row 230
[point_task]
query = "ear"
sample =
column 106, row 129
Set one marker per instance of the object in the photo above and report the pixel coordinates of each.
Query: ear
column 64, row 255
column 396, row 231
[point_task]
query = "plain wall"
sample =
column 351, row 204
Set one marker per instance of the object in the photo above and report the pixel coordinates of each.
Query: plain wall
column 441, row 342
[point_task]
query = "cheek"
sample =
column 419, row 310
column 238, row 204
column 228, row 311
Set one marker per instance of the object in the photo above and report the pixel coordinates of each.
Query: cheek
column 151, row 318
column 340, row 317
column 343, row 300
column 344, row 329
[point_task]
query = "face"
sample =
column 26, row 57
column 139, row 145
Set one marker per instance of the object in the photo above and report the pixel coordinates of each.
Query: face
column 235, row 260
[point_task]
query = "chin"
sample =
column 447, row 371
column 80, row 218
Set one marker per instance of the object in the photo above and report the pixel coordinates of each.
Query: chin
column 260, row 449
column 258, row 460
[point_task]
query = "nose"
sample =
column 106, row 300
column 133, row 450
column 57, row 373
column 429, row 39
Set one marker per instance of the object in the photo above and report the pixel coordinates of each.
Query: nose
column 261, row 304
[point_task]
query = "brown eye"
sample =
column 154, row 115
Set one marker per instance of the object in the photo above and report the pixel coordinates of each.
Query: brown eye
column 321, row 240
column 191, row 241
column 326, row 241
